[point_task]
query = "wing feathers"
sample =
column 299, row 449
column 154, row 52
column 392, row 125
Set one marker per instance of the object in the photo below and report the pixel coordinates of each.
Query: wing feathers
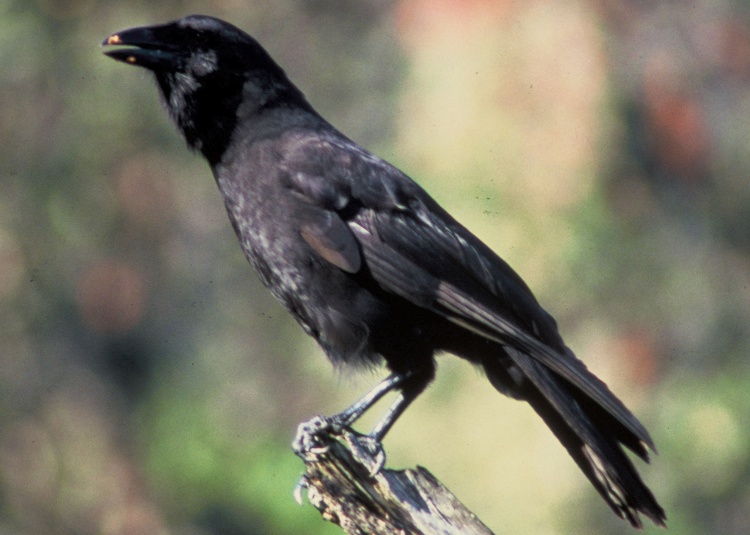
column 495, row 327
column 416, row 250
column 403, row 277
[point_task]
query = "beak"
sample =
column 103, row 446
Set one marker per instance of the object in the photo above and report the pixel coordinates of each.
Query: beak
column 141, row 47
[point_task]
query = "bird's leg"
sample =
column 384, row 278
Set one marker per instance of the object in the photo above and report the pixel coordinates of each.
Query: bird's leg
column 308, row 443
column 368, row 449
column 396, row 409
column 313, row 435
column 350, row 415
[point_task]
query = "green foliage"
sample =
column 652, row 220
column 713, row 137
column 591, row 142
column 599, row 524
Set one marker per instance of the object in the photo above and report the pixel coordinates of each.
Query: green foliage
column 197, row 466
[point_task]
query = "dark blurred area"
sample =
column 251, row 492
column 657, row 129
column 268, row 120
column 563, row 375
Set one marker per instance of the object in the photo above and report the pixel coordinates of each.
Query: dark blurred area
column 149, row 384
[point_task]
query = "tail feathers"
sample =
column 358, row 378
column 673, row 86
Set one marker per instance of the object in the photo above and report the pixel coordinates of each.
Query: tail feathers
column 592, row 438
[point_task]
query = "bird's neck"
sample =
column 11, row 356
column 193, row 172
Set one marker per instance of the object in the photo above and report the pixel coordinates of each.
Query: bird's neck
column 208, row 113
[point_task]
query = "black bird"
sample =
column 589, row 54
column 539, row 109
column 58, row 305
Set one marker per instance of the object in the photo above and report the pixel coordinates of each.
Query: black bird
column 366, row 261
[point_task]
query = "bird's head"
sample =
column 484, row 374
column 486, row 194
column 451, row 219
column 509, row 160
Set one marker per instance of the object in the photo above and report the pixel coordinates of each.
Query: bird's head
column 209, row 74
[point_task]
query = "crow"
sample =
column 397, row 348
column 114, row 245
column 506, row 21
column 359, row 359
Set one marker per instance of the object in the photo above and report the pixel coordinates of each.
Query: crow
column 366, row 261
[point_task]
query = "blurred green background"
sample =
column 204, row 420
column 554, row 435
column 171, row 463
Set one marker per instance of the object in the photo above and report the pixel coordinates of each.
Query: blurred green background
column 149, row 384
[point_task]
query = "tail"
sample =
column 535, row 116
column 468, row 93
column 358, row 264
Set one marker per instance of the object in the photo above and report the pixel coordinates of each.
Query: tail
column 592, row 436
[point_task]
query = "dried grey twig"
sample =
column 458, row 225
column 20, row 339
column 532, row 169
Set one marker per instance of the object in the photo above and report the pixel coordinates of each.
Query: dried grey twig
column 340, row 485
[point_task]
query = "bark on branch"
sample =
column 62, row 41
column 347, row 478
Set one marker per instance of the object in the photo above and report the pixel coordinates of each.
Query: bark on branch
column 394, row 502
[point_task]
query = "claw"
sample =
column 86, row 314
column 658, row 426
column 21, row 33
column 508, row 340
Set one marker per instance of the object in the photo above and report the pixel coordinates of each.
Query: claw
column 302, row 484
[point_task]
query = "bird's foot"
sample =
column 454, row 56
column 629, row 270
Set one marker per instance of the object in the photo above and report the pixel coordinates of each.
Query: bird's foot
column 366, row 450
column 315, row 436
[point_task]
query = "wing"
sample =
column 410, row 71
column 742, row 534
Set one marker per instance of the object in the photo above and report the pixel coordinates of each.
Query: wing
column 469, row 285
column 413, row 248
